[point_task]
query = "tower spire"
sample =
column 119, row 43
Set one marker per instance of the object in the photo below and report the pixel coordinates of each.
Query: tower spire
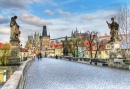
column 72, row 34
column 44, row 32
column 76, row 29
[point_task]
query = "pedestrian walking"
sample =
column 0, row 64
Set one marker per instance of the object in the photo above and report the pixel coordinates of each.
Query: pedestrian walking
column 56, row 57
column 34, row 57
column 40, row 55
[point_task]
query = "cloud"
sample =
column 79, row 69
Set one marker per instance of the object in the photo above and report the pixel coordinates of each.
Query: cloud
column 5, row 31
column 87, row 17
column 50, row 2
column 49, row 12
column 99, row 15
column 33, row 20
column 95, row 21
column 5, row 39
column 3, row 20
column 12, row 4
column 64, row 13
column 21, row 4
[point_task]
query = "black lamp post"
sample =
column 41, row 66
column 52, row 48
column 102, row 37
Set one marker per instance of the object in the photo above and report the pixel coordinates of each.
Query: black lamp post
column 21, row 52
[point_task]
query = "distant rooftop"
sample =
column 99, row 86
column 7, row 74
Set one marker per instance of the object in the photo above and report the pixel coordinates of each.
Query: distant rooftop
column 59, row 38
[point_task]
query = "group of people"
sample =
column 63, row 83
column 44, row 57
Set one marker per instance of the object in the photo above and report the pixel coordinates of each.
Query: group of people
column 39, row 56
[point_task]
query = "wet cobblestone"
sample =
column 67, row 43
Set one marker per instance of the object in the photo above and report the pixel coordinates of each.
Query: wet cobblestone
column 60, row 74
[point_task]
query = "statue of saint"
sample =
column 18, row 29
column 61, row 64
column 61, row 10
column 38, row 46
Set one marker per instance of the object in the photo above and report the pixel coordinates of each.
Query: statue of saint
column 113, row 30
column 65, row 47
column 15, row 33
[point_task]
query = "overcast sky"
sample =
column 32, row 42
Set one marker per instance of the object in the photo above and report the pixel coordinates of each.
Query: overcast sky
column 60, row 16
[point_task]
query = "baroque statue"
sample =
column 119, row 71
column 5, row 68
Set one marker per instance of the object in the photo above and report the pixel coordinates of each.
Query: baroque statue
column 113, row 30
column 65, row 47
column 15, row 33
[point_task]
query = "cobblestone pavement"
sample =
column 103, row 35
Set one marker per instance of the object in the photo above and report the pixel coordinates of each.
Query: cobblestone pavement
column 60, row 74
column 1, row 85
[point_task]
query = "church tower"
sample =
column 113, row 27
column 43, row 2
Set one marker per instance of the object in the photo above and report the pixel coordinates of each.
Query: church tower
column 45, row 43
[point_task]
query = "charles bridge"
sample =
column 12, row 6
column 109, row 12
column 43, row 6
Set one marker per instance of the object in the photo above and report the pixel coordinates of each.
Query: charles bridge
column 68, row 73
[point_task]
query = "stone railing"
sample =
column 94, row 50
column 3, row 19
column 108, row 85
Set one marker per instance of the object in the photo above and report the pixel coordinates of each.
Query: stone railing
column 93, row 61
column 16, row 81
column 98, row 62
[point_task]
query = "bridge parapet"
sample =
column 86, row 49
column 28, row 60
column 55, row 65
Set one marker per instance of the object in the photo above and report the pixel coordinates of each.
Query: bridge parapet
column 16, row 81
column 93, row 61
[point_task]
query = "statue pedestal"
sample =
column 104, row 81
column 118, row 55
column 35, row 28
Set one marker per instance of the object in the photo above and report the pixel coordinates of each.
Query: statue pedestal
column 115, row 50
column 15, row 50
column 115, row 46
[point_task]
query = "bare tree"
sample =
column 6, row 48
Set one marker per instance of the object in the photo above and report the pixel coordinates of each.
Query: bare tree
column 93, row 40
column 100, row 45
column 124, row 25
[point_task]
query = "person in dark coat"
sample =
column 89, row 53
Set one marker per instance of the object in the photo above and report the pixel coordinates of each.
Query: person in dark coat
column 56, row 57
column 40, row 55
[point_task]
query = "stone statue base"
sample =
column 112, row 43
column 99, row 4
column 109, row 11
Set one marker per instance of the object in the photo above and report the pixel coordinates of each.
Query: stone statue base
column 15, row 50
column 115, row 50
column 13, row 62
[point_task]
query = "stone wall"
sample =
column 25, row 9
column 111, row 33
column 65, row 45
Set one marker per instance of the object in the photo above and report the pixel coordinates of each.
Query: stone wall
column 16, row 81
column 92, row 61
column 9, row 71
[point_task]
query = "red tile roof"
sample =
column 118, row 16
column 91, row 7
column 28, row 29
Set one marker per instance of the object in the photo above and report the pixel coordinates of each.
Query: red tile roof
column 52, row 45
column 1, row 45
column 57, row 46
column 80, row 37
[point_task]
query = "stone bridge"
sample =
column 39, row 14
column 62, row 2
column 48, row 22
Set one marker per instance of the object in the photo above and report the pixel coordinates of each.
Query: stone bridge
column 50, row 73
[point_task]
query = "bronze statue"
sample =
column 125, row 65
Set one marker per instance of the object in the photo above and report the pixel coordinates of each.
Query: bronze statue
column 114, row 30
column 14, row 28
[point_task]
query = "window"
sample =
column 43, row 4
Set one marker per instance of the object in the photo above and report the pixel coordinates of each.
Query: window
column 99, row 52
column 87, row 53
column 95, row 47
column 108, row 47
column 106, row 52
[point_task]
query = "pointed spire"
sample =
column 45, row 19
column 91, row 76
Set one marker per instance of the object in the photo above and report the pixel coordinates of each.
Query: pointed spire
column 44, row 32
column 76, row 29
column 35, row 35
column 72, row 34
